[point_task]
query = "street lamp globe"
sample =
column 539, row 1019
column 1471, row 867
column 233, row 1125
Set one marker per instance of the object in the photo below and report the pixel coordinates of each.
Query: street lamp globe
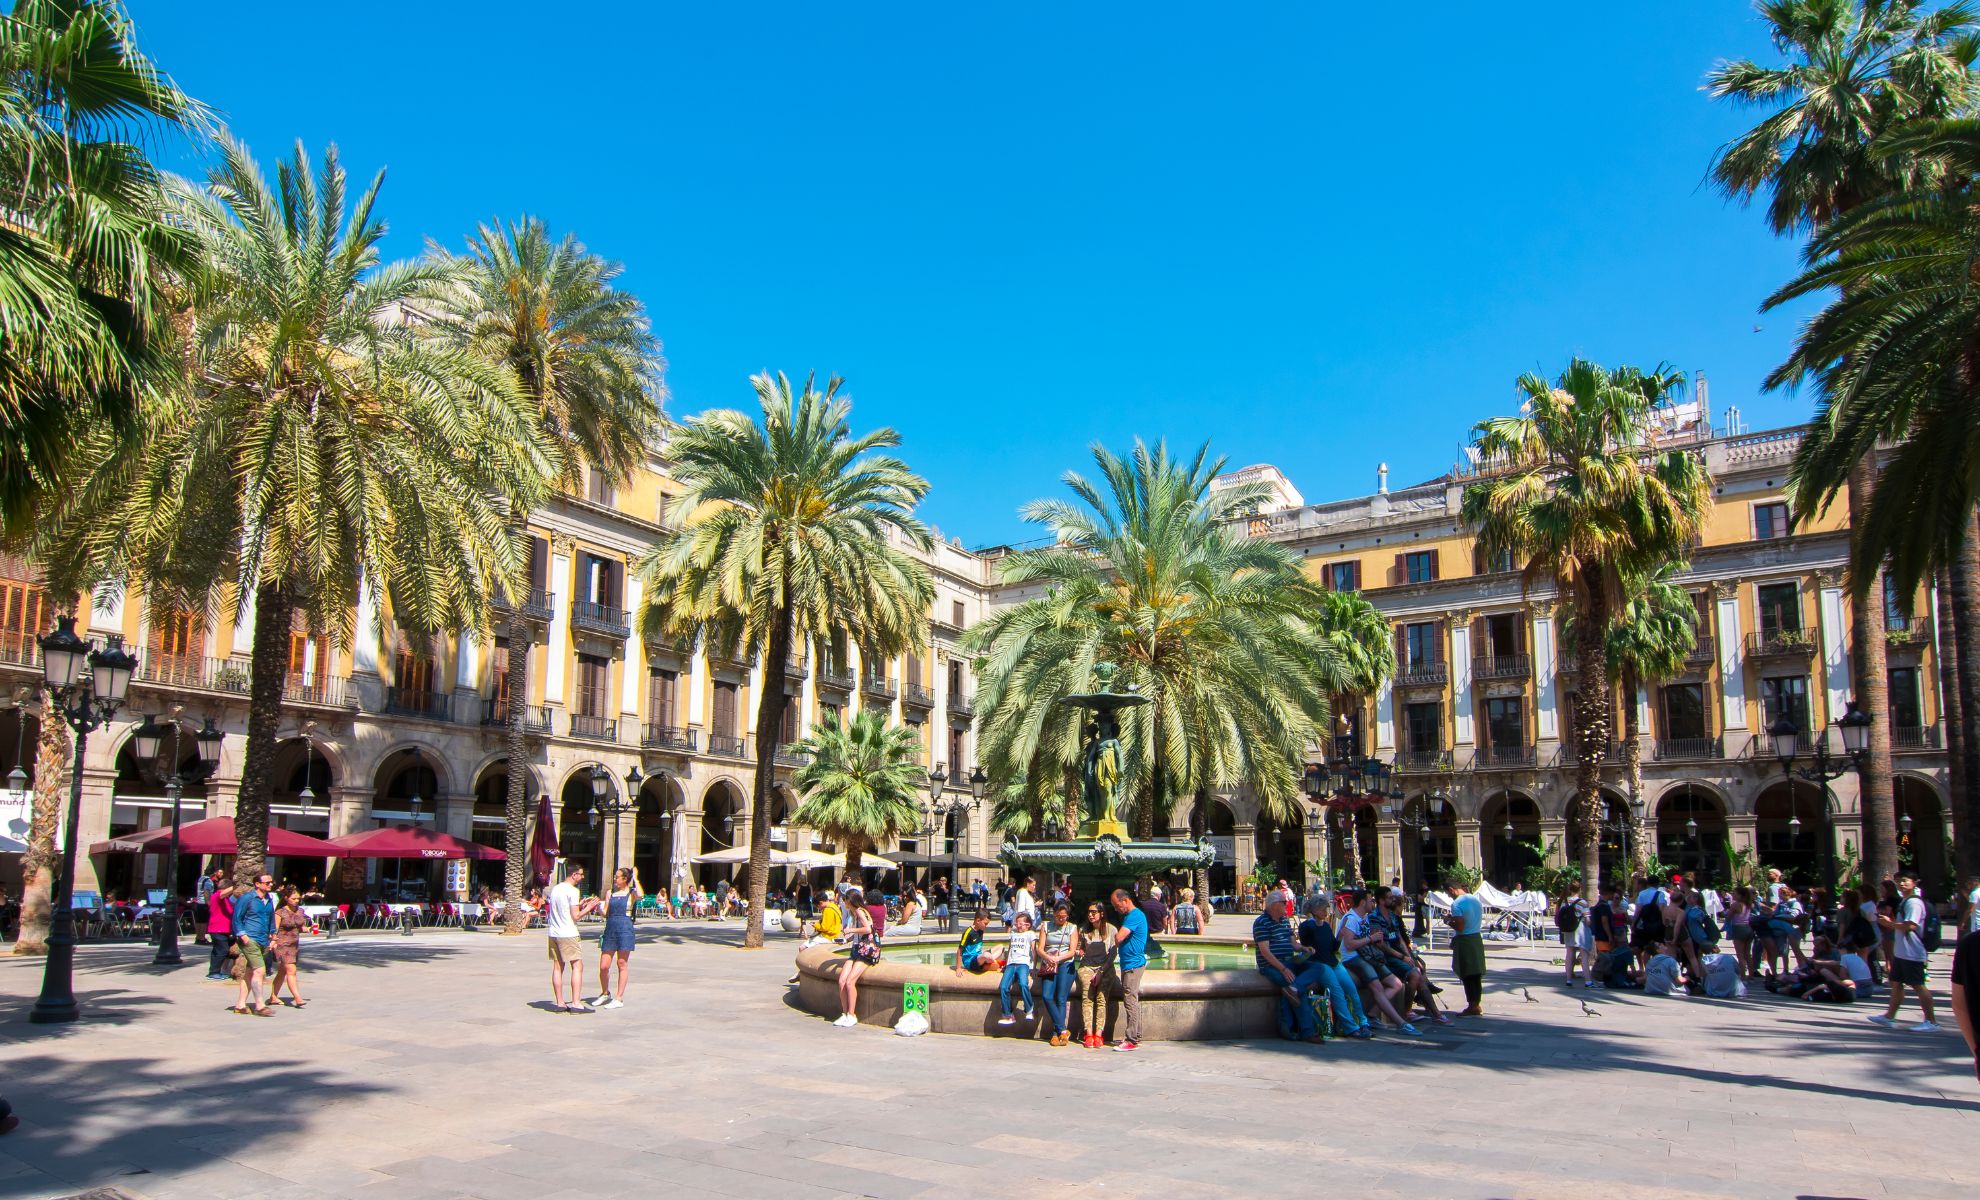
column 978, row 780
column 601, row 781
column 1794, row 825
column 1691, row 828
column 1904, row 824
column 148, row 741
column 1787, row 739
column 110, row 670
column 63, row 655
column 1855, row 726
column 208, row 740
column 938, row 781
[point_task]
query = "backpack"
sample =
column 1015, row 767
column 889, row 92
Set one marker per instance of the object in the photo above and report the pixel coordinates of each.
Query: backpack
column 1567, row 918
column 1706, row 925
column 1929, row 931
column 1650, row 920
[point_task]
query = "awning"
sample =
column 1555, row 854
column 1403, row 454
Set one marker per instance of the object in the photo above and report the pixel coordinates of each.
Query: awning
column 917, row 859
column 405, row 841
column 215, row 835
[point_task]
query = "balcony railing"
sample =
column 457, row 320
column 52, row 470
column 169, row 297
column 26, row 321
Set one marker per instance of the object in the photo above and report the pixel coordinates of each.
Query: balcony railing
column 1703, row 648
column 1780, row 643
column 537, row 604
column 797, row 667
column 1507, row 756
column 835, row 676
column 329, row 691
column 1423, row 760
column 727, row 745
column 601, row 619
column 1423, row 673
column 1908, row 636
column 193, row 672
column 1571, row 752
column 789, row 755
column 418, row 702
column 1761, row 748
column 915, row 694
column 961, row 703
column 597, row 729
column 1691, row 749
column 878, row 688
column 20, row 649
column 1915, row 737
column 671, row 738
column 1501, row 666
column 536, row 717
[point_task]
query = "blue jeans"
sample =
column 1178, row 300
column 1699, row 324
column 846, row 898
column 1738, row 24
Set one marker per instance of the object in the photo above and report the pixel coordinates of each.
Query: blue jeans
column 1341, row 990
column 1022, row 974
column 1057, row 993
column 1295, row 1020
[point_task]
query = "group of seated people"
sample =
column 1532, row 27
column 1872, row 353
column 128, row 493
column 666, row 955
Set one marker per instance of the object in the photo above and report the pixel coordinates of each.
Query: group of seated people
column 1354, row 950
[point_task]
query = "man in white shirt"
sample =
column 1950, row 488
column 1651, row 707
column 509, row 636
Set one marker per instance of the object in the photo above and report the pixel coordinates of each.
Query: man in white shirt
column 1908, row 955
column 1024, row 903
column 562, row 907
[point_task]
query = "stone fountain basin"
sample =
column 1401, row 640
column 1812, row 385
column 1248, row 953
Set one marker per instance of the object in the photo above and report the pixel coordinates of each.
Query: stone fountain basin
column 1188, row 1005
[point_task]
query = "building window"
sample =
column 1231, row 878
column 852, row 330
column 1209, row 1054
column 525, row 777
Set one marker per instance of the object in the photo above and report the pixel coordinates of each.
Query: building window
column 1420, row 647
column 662, row 686
column 498, row 660
column 176, row 637
column 955, row 677
column 1495, row 562
column 1423, row 727
column 1785, row 696
column 1780, row 608
column 601, row 580
column 1343, row 576
column 956, row 608
column 956, row 768
column 594, row 675
column 722, row 721
column 1502, row 638
column 1505, row 723
column 307, row 657
column 1684, row 711
column 1420, row 566
column 1897, row 606
column 1906, row 713
column 412, row 671
column 1770, row 521
column 830, row 714
column 793, row 707
column 597, row 487
column 911, row 669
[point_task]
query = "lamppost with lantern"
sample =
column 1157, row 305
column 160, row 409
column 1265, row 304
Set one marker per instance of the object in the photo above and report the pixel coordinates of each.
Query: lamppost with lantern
column 1420, row 814
column 939, row 812
column 1347, row 785
column 146, row 744
column 606, row 803
column 1854, row 725
column 86, row 699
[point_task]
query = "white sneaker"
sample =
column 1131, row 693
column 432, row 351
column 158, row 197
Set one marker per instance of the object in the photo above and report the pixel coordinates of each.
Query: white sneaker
column 1881, row 1019
column 1925, row 1027
column 613, row 1003
column 846, row 1021
column 603, row 999
column 1006, row 1020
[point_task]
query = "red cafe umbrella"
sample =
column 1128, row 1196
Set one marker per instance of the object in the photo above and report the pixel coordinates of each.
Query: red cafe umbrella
column 215, row 835
column 543, row 846
column 406, row 841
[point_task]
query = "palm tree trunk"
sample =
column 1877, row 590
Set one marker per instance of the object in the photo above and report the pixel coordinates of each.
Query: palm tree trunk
column 1866, row 635
column 1199, row 827
column 38, row 865
column 268, row 672
column 1594, row 715
column 769, row 723
column 1353, row 849
column 855, row 857
column 1950, row 713
column 1966, row 624
column 1632, row 755
column 515, row 811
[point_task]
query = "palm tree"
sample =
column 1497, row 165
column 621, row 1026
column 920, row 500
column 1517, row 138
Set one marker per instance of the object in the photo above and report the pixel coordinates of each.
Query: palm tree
column 86, row 246
column 1218, row 630
column 1649, row 642
column 1852, row 73
column 790, row 533
column 1365, row 640
column 324, row 445
column 1577, row 489
column 584, row 358
column 862, row 786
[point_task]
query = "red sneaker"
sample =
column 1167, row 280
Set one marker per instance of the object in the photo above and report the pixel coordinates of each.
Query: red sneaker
column 1128, row 1046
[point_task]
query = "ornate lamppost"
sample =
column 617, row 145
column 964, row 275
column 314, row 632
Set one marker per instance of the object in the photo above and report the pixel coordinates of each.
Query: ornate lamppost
column 86, row 699
column 1854, row 726
column 938, row 813
column 145, row 745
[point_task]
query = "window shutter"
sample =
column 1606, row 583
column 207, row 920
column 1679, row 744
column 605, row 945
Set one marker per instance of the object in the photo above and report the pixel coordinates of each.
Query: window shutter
column 1480, row 646
column 1402, row 647
column 539, row 564
column 1478, row 558
column 1434, row 572
column 616, row 572
column 1354, row 574
column 1401, row 571
column 1327, row 577
column 1519, row 633
column 1442, row 640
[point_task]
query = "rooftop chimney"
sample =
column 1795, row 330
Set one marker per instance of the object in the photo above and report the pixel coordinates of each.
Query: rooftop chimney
column 1382, row 480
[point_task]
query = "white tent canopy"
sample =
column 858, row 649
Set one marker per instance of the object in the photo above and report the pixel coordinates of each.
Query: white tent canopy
column 801, row 859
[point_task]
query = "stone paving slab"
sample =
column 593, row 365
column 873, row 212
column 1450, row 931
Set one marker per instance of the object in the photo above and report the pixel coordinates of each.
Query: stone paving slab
column 430, row 1068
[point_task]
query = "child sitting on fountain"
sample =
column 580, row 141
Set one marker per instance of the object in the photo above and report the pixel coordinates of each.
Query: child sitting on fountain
column 971, row 952
column 1017, row 969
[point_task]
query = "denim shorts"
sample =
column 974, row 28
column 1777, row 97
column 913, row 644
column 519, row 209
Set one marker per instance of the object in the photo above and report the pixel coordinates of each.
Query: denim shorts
column 1364, row 972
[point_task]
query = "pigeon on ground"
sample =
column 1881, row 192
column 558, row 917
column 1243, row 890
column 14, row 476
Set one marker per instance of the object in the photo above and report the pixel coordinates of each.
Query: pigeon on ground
column 1529, row 996
column 1587, row 1011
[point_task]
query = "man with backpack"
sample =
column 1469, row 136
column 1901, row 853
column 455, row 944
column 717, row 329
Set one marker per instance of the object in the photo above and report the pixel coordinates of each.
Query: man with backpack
column 1648, row 928
column 1914, row 926
column 1577, row 948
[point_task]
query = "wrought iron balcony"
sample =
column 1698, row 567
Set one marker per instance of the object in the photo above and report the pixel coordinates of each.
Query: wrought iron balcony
column 1501, row 666
column 788, row 755
column 961, row 703
column 672, row 738
column 797, row 668
column 728, row 745
column 600, row 619
column 1423, row 673
column 21, row 650
column 419, row 702
column 536, row 717
column 1690, row 749
column 1780, row 643
column 537, row 604
column 1908, row 636
column 1423, row 760
column 1704, row 648
column 1570, row 753
column 326, row 691
column 1507, row 756
column 597, row 729
column 878, row 687
column 918, row 696
column 1761, row 748
column 193, row 672
column 1915, row 737
column 836, row 676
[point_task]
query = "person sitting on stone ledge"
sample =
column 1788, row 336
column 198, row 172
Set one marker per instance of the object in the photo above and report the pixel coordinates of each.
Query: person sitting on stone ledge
column 972, row 953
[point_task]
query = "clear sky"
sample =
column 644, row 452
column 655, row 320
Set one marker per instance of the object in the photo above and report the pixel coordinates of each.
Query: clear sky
column 1310, row 233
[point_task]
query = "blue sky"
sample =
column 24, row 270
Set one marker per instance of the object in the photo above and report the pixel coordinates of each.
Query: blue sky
column 1313, row 234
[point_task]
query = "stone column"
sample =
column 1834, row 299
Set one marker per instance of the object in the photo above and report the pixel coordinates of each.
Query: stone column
column 1244, row 849
column 1385, row 717
column 629, row 681
column 364, row 649
column 1468, row 851
column 1553, row 837
column 1740, row 829
column 557, row 659
column 1732, row 665
column 1835, row 647
column 350, row 809
column 1461, row 677
column 1388, row 849
column 1547, row 708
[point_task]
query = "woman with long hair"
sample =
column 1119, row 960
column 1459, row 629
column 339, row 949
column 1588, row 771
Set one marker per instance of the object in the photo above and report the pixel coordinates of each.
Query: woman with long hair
column 864, row 953
column 286, row 948
column 615, row 944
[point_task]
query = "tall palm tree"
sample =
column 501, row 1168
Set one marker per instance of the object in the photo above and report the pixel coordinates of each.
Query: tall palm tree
column 324, row 444
column 1649, row 642
column 1218, row 630
column 1852, row 72
column 862, row 785
column 789, row 533
column 86, row 246
column 1365, row 640
column 584, row 358
column 1577, row 489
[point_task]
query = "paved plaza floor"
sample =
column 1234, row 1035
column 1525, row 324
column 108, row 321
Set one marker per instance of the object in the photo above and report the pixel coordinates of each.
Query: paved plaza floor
column 430, row 1067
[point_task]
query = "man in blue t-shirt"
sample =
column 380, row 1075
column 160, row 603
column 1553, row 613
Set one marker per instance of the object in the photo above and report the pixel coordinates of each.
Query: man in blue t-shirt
column 1131, row 950
column 1272, row 943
